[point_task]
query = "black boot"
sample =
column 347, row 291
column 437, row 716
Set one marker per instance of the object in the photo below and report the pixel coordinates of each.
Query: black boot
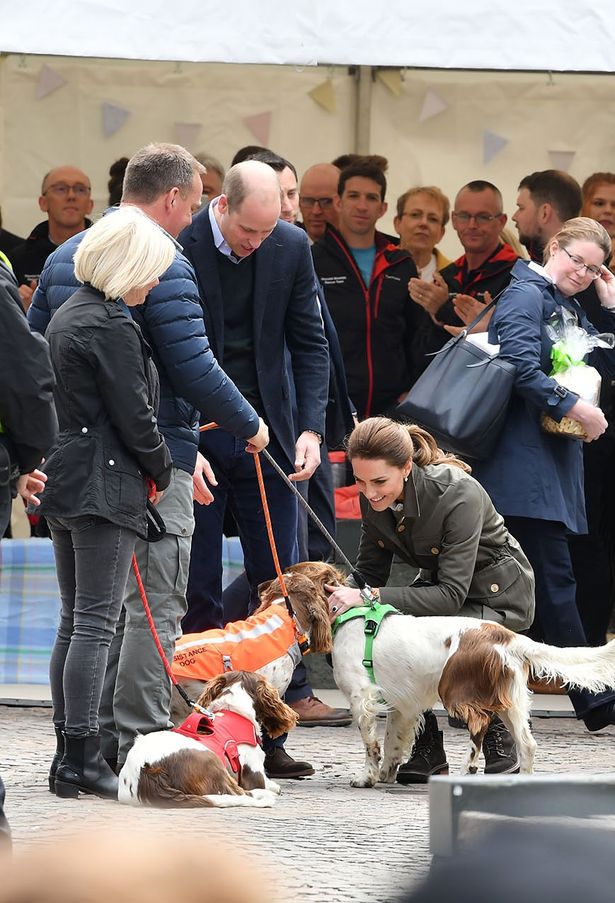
column 499, row 749
column 428, row 756
column 83, row 768
column 57, row 758
column 278, row 764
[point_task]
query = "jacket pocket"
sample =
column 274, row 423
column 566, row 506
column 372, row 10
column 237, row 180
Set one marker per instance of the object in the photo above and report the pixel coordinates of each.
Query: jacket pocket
column 124, row 486
column 508, row 589
column 494, row 580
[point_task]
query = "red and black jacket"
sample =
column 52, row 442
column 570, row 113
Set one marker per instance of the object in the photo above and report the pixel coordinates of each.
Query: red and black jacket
column 382, row 333
column 493, row 275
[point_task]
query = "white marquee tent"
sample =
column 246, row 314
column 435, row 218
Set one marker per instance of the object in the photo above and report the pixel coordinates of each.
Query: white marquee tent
column 471, row 34
column 447, row 91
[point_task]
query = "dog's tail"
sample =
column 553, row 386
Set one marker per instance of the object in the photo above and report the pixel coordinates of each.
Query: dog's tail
column 579, row 667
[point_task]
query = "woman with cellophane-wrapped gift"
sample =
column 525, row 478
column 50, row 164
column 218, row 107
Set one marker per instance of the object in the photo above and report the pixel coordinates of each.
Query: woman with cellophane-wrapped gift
column 535, row 477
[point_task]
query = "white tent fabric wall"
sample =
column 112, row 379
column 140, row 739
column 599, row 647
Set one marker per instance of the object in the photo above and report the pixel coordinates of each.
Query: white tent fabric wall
column 528, row 34
column 534, row 115
column 66, row 126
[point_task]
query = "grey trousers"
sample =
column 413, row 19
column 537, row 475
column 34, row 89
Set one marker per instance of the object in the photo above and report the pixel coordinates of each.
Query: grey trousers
column 137, row 690
column 92, row 563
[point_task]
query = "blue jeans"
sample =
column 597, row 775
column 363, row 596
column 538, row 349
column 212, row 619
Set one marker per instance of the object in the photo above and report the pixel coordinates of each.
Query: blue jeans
column 92, row 561
column 237, row 487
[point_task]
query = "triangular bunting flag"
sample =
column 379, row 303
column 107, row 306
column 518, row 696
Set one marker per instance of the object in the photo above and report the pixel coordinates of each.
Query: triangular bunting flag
column 492, row 145
column 432, row 105
column 561, row 159
column 48, row 81
column 391, row 79
column 324, row 95
column 259, row 125
column 187, row 133
column 114, row 118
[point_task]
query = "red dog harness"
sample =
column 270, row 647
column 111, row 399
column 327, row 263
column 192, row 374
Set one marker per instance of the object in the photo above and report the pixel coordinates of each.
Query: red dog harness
column 221, row 735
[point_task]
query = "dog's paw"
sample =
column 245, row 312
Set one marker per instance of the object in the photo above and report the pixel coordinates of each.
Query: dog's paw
column 363, row 780
column 387, row 775
column 271, row 785
column 264, row 796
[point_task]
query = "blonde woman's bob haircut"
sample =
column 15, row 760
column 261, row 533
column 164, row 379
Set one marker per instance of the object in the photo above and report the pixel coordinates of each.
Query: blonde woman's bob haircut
column 123, row 250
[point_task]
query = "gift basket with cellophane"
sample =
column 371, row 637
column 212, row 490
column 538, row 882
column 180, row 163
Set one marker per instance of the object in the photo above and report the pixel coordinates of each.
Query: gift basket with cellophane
column 571, row 344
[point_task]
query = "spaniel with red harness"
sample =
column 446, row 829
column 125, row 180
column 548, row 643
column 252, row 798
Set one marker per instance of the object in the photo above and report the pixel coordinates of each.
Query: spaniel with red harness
column 213, row 759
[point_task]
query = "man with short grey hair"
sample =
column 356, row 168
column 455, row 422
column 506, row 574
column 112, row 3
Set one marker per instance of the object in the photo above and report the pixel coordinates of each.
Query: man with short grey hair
column 164, row 181
column 66, row 198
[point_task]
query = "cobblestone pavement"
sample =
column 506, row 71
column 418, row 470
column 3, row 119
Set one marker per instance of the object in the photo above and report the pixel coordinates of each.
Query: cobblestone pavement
column 329, row 841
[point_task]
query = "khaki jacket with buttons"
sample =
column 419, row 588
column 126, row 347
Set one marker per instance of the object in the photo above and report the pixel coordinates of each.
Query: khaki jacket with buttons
column 470, row 564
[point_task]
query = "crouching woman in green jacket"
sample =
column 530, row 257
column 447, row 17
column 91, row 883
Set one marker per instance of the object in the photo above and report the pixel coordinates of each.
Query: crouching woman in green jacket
column 422, row 506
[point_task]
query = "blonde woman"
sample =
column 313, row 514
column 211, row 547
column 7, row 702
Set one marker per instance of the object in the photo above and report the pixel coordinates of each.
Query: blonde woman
column 534, row 478
column 424, row 507
column 106, row 397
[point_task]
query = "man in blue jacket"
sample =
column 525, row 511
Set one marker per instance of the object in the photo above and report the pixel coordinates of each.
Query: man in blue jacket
column 258, row 289
column 164, row 181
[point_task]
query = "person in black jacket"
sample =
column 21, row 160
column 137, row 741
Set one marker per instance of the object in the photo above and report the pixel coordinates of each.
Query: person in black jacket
column 383, row 335
column 108, row 458
column 28, row 423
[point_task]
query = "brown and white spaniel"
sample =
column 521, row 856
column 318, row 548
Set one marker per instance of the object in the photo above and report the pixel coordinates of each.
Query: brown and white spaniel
column 211, row 762
column 267, row 645
column 474, row 667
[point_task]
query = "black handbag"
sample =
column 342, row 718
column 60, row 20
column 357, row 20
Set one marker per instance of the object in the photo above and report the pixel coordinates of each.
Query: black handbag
column 462, row 397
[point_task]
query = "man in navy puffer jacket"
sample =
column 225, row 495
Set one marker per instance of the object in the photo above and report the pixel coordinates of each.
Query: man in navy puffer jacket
column 164, row 181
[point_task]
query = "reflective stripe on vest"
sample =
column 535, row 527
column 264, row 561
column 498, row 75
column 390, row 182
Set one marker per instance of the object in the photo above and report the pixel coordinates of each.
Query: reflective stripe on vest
column 240, row 646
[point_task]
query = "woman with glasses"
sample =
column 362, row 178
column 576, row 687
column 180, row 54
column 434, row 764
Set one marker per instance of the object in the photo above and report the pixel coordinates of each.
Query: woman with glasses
column 534, row 478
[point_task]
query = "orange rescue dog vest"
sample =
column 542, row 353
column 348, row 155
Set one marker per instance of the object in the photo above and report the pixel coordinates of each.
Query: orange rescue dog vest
column 240, row 646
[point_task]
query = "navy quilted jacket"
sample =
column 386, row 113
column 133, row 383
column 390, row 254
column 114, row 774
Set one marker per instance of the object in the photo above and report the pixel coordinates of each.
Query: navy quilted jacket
column 191, row 380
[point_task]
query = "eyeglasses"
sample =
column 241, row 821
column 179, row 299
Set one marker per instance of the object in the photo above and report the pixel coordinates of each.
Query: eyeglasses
column 480, row 218
column 63, row 189
column 592, row 272
column 323, row 203
column 418, row 215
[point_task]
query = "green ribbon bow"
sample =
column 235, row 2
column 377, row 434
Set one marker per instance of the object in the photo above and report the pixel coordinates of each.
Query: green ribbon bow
column 561, row 359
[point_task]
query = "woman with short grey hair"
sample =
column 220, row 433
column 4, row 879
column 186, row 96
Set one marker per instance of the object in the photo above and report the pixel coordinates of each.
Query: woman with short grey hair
column 108, row 459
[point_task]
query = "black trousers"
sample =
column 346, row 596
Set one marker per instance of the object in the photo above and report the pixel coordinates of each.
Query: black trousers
column 5, row 831
column 557, row 620
column 592, row 554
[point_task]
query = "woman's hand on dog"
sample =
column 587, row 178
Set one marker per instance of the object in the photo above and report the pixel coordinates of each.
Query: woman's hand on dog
column 341, row 599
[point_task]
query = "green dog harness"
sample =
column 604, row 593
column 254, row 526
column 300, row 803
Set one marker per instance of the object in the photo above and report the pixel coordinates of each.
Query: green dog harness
column 374, row 616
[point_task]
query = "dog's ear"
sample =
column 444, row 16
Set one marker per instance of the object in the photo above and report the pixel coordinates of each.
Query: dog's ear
column 212, row 690
column 267, row 592
column 274, row 715
column 321, row 639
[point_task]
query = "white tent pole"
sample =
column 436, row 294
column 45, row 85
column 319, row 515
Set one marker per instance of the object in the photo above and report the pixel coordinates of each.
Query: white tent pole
column 363, row 118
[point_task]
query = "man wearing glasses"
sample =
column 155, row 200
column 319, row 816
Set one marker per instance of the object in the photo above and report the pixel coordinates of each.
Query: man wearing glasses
column 67, row 201
column 317, row 193
column 482, row 271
